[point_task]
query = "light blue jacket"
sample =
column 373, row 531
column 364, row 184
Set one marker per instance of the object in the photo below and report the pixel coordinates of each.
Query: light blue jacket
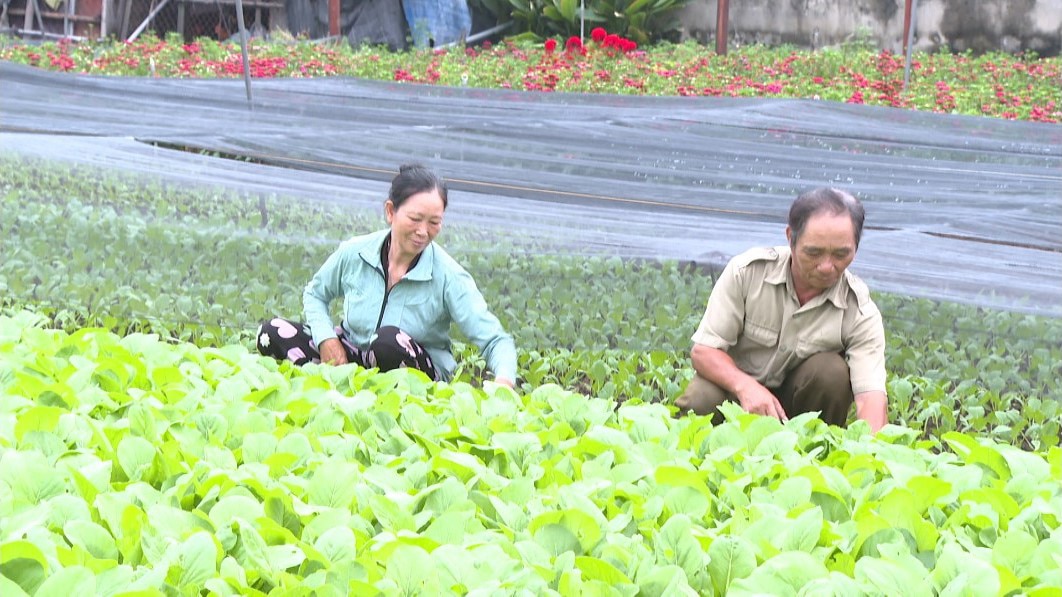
column 436, row 292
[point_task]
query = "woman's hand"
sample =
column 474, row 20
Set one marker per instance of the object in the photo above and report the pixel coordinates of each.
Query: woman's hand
column 332, row 352
column 505, row 381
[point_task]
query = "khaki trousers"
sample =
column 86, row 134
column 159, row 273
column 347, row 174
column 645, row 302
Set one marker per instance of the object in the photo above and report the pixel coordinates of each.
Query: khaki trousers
column 821, row 383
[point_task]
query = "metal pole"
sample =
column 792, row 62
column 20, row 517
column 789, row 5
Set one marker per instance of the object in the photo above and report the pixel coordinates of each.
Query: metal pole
column 243, row 50
column 582, row 21
column 906, row 23
column 150, row 16
column 333, row 18
column 722, row 15
column 908, row 43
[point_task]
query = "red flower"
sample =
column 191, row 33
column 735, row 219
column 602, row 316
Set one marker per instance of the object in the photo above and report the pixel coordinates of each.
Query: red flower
column 487, row 44
column 551, row 44
column 611, row 40
column 598, row 34
column 574, row 43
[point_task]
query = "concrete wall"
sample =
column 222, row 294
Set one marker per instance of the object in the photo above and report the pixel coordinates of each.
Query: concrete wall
column 957, row 25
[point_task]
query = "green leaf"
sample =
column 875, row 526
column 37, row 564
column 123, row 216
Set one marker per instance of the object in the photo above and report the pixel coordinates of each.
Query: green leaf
column 1014, row 552
column 664, row 580
column 730, row 558
column 338, row 544
column 958, row 572
column 333, row 485
column 580, row 525
column 30, row 476
column 674, row 542
column 141, row 421
column 597, row 569
column 891, row 578
column 231, row 507
column 975, row 453
column 73, row 580
column 410, row 567
column 257, row 447
column 10, row 588
column 136, row 456
column 92, row 538
column 24, row 563
column 451, row 527
column 390, row 514
column 38, row 418
column 284, row 557
column 556, row 539
column 197, row 557
column 681, row 477
column 784, row 574
column 688, row 501
column 803, row 533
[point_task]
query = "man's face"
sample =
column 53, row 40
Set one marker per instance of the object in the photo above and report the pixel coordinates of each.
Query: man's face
column 823, row 252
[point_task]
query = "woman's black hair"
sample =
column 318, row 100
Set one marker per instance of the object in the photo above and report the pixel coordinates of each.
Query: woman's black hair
column 412, row 179
column 825, row 200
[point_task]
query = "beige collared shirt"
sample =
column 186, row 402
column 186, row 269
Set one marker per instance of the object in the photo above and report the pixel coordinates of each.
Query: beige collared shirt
column 753, row 314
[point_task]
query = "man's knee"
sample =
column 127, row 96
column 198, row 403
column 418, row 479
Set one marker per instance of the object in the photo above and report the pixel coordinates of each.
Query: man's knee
column 822, row 383
column 825, row 371
column 702, row 397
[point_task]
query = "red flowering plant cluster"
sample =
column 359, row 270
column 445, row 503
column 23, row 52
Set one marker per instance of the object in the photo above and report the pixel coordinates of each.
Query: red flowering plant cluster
column 998, row 85
column 581, row 67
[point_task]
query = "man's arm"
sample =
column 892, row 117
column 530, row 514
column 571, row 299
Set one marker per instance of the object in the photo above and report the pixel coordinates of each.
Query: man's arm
column 871, row 407
column 718, row 367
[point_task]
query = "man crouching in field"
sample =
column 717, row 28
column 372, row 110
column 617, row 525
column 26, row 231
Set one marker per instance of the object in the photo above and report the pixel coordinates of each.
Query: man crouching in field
column 789, row 330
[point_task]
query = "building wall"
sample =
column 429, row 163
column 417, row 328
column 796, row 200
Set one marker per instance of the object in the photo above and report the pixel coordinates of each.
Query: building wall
column 957, row 25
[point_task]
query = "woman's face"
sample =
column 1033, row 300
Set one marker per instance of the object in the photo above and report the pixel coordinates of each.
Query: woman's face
column 416, row 222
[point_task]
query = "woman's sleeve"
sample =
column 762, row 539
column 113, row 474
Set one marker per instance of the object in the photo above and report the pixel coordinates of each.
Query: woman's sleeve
column 326, row 285
column 467, row 307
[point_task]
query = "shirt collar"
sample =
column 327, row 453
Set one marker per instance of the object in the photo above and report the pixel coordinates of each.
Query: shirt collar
column 375, row 254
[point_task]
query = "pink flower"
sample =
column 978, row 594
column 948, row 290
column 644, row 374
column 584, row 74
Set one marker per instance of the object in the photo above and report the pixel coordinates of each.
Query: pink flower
column 551, row 44
column 598, row 34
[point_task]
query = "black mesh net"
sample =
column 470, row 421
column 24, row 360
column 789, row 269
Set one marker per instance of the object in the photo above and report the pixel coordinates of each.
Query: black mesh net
column 178, row 202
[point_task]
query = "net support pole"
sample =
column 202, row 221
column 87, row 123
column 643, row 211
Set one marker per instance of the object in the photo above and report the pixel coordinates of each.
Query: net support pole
column 582, row 21
column 908, row 40
column 243, row 51
column 722, row 17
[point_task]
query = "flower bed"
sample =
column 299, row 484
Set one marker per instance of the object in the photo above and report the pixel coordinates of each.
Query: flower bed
column 997, row 85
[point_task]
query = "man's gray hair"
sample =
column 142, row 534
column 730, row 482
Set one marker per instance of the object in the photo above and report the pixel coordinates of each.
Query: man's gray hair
column 825, row 200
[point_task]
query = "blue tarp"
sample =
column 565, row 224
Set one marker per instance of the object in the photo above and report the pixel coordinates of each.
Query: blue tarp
column 437, row 22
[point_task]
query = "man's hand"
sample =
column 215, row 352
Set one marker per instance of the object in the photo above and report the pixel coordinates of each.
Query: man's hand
column 504, row 381
column 717, row 367
column 872, row 407
column 332, row 352
column 759, row 400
